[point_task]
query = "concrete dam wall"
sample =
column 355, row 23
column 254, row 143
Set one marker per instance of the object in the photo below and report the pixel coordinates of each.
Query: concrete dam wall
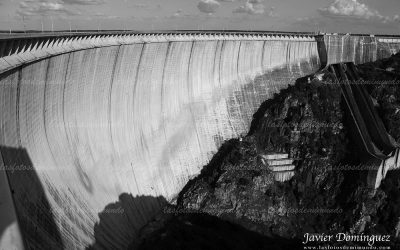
column 97, row 135
column 357, row 49
column 129, row 125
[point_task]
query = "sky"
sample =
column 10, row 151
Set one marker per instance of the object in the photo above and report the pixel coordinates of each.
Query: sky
column 342, row 16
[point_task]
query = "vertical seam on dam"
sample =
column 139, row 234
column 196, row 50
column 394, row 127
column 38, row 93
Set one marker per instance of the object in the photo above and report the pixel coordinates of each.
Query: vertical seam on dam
column 220, row 60
column 63, row 102
column 167, row 55
column 18, row 105
column 238, row 60
column 237, row 79
column 110, row 94
column 263, row 54
column 288, row 55
column 162, row 87
column 219, row 74
column 239, row 76
column 190, row 106
column 133, row 99
column 44, row 110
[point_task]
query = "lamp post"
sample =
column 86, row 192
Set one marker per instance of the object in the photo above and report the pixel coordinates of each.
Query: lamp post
column 9, row 22
column 23, row 23
column 52, row 24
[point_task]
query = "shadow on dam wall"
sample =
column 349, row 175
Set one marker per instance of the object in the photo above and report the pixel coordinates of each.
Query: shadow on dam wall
column 117, row 228
column 35, row 215
column 120, row 222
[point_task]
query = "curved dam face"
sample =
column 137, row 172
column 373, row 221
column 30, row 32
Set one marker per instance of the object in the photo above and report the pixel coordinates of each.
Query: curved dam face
column 99, row 139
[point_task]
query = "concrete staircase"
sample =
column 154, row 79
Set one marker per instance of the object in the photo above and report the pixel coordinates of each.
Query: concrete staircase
column 280, row 164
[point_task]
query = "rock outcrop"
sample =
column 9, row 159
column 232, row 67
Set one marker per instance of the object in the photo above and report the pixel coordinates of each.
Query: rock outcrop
column 329, row 191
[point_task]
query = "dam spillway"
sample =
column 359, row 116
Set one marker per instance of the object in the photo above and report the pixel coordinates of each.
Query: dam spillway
column 124, row 122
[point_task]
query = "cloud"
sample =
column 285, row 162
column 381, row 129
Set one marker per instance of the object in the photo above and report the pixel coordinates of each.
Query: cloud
column 140, row 5
column 351, row 9
column 256, row 1
column 178, row 13
column 252, row 7
column 208, row 6
column 271, row 12
column 84, row 2
column 344, row 25
column 143, row 6
column 101, row 15
column 43, row 8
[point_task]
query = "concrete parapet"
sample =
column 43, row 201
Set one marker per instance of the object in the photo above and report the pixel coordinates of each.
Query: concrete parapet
column 60, row 45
